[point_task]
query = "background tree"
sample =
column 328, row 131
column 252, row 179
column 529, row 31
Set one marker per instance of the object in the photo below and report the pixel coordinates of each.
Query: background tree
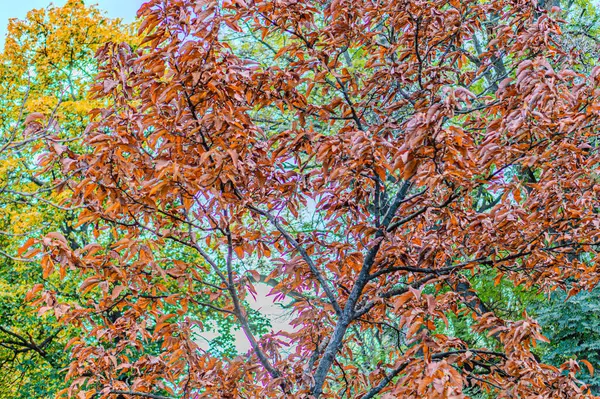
column 462, row 142
column 572, row 326
column 46, row 68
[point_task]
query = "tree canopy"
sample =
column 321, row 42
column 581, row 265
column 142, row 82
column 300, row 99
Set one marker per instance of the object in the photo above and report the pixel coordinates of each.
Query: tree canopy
column 416, row 179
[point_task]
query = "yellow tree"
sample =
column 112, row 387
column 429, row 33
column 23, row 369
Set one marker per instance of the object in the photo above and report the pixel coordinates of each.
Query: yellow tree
column 45, row 68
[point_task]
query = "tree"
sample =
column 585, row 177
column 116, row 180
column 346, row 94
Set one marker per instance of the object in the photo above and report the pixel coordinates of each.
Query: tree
column 45, row 70
column 572, row 325
column 384, row 155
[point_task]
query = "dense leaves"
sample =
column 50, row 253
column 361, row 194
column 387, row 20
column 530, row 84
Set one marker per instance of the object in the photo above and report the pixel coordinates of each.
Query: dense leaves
column 369, row 162
column 46, row 68
column 572, row 325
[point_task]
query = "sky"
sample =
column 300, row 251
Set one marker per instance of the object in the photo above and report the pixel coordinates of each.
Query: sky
column 125, row 9
column 268, row 307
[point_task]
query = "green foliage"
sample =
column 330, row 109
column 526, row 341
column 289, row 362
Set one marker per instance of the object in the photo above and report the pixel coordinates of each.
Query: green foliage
column 573, row 327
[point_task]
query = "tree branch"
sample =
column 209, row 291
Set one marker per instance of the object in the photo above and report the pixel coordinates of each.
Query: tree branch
column 311, row 264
